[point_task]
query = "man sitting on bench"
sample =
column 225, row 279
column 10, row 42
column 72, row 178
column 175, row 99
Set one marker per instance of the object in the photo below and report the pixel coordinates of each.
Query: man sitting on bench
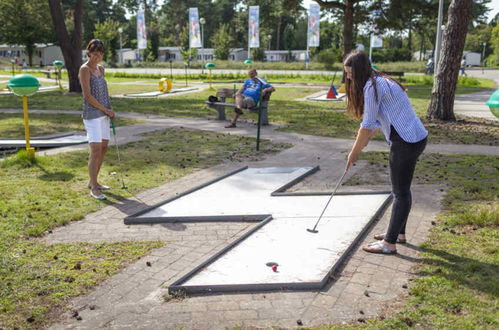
column 248, row 95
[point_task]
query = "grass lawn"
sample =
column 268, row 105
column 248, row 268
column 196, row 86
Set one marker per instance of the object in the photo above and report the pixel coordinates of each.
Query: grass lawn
column 458, row 283
column 12, row 124
column 36, row 280
column 306, row 117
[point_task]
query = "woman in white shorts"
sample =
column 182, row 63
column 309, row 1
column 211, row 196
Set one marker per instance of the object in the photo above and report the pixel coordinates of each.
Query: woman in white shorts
column 97, row 112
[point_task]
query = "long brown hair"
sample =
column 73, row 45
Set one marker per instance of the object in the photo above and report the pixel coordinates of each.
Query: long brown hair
column 362, row 71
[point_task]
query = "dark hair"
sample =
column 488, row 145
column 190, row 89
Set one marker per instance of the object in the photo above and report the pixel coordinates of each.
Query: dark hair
column 362, row 71
column 95, row 45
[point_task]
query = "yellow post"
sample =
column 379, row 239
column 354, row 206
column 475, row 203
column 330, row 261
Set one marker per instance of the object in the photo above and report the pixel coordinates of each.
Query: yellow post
column 59, row 76
column 31, row 151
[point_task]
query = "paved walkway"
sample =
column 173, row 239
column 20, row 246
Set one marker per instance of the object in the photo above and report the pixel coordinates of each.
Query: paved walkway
column 473, row 104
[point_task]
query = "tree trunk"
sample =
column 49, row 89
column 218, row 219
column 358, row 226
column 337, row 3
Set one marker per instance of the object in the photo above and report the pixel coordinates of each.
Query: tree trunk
column 30, row 49
column 445, row 83
column 71, row 47
column 278, row 36
column 348, row 27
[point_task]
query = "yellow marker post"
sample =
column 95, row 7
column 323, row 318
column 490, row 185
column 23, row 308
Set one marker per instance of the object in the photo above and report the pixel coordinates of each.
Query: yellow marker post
column 210, row 66
column 58, row 65
column 31, row 151
column 24, row 85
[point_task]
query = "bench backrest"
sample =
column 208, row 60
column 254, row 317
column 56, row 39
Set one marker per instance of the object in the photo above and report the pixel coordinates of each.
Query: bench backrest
column 226, row 92
column 394, row 73
column 230, row 93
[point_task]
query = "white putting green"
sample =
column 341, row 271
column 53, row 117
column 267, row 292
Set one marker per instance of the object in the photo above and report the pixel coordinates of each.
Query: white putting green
column 302, row 257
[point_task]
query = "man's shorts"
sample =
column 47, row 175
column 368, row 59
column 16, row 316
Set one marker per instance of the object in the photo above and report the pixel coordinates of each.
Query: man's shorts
column 248, row 103
column 98, row 129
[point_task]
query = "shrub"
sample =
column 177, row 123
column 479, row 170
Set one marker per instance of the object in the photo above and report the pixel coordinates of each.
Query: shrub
column 329, row 57
column 382, row 55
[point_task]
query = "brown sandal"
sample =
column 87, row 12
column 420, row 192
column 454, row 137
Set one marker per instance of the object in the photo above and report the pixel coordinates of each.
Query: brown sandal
column 381, row 237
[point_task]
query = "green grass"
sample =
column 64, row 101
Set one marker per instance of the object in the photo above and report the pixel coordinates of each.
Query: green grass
column 306, row 117
column 12, row 125
column 294, row 78
column 36, row 280
column 458, row 282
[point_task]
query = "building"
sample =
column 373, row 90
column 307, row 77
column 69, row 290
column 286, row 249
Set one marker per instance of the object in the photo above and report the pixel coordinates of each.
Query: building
column 44, row 54
column 285, row 55
column 202, row 54
column 472, row 58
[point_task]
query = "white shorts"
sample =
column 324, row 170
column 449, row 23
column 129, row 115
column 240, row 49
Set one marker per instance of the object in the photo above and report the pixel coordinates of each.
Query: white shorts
column 98, row 129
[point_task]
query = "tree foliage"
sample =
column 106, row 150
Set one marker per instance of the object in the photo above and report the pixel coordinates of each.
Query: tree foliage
column 222, row 41
column 25, row 23
column 108, row 32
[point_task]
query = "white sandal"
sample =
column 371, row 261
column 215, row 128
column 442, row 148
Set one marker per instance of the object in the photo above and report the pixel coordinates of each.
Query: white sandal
column 99, row 197
column 378, row 247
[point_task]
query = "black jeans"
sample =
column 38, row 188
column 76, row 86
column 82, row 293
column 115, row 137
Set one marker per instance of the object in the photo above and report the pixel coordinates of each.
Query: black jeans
column 403, row 158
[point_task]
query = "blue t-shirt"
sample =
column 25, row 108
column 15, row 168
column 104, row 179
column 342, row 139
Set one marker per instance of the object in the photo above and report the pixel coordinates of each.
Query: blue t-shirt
column 253, row 88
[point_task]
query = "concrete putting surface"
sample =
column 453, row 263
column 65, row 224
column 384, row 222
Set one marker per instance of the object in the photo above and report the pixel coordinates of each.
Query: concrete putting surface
column 55, row 142
column 279, row 252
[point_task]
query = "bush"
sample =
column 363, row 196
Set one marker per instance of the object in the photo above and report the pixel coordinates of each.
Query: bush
column 328, row 57
column 383, row 55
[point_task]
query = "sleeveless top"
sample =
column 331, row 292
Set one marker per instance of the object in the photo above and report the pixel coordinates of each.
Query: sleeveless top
column 98, row 89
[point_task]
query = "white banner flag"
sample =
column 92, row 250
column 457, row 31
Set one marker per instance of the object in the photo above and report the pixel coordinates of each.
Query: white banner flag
column 314, row 17
column 194, row 30
column 141, row 30
column 253, row 27
column 376, row 41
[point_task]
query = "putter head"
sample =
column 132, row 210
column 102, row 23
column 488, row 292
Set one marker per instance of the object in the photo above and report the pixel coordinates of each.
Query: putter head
column 312, row 231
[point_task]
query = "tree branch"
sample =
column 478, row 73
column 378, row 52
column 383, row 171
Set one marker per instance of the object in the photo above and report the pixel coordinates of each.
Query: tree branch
column 331, row 4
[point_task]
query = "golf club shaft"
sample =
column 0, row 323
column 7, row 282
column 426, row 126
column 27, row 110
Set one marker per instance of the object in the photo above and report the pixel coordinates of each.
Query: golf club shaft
column 117, row 151
column 330, row 198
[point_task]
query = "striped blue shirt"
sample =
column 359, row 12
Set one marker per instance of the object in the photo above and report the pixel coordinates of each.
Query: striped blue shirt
column 393, row 108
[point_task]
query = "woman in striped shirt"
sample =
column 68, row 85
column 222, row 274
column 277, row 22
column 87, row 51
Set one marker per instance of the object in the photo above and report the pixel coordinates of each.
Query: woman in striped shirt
column 382, row 103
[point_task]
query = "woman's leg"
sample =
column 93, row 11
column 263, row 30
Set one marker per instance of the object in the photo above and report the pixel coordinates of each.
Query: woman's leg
column 403, row 158
column 103, row 151
column 94, row 161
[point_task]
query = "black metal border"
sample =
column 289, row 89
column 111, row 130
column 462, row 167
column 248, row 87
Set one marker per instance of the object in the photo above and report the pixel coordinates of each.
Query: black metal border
column 291, row 183
column 177, row 287
column 134, row 219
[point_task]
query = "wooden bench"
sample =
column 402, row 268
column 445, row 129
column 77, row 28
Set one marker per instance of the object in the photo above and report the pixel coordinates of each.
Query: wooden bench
column 397, row 74
column 227, row 93
column 46, row 72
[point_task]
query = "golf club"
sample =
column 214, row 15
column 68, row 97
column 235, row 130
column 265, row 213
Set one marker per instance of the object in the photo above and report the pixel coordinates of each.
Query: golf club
column 330, row 198
column 123, row 185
